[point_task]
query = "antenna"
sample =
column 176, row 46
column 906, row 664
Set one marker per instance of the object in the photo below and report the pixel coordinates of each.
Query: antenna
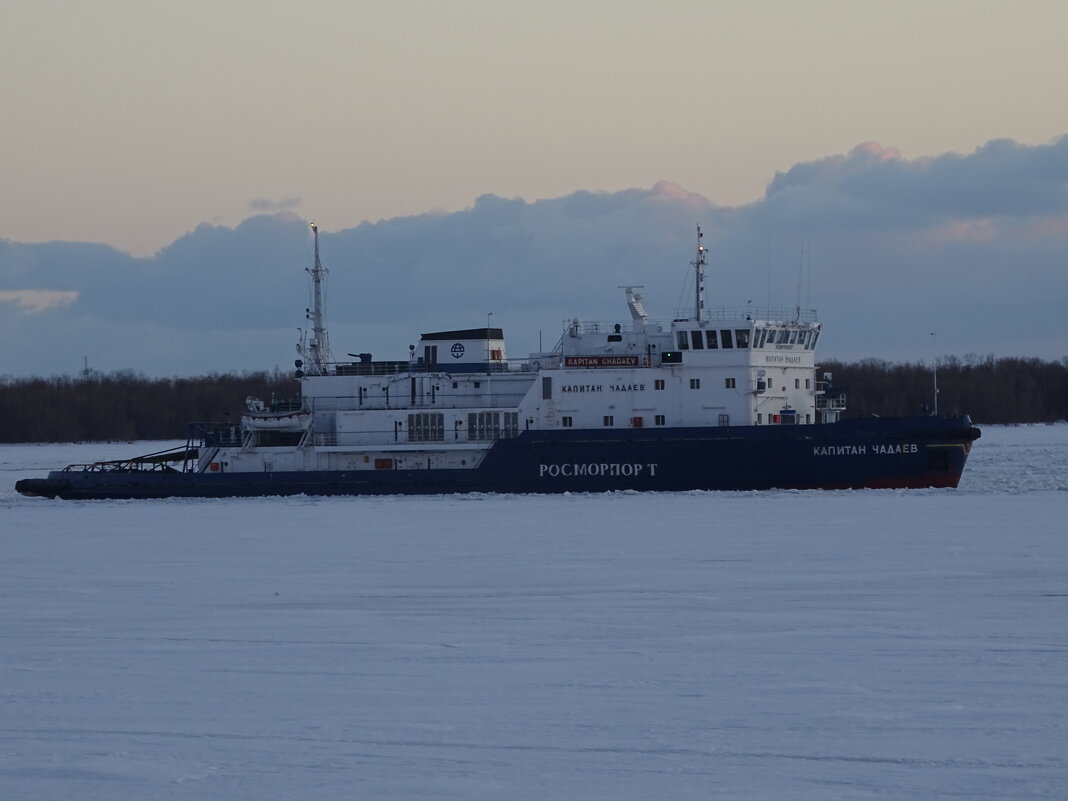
column 808, row 282
column 934, row 369
column 769, row 277
column 800, row 274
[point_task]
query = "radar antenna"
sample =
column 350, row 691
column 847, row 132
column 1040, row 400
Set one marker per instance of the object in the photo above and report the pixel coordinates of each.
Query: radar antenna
column 634, row 302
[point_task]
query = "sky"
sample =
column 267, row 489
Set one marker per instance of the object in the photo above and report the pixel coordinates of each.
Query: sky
column 135, row 132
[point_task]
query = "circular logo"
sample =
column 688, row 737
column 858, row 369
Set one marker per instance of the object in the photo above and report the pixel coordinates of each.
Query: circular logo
column 457, row 350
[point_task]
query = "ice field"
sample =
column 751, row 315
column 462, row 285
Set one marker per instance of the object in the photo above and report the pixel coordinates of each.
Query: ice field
column 766, row 645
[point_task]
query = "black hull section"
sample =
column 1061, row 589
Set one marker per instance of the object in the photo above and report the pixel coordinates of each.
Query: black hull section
column 851, row 454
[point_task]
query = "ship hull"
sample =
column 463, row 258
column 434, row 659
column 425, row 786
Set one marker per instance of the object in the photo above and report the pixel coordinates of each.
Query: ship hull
column 850, row 454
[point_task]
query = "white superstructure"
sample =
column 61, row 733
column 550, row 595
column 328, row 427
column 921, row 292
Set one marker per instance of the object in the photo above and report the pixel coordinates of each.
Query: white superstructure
column 457, row 392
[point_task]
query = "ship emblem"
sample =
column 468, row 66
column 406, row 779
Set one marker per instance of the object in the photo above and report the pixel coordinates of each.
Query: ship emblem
column 457, row 350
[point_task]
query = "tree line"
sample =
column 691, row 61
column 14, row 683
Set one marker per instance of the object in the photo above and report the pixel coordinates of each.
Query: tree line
column 128, row 406
column 1006, row 390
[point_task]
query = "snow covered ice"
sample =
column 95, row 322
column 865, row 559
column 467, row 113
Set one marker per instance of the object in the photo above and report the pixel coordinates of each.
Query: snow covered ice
column 765, row 645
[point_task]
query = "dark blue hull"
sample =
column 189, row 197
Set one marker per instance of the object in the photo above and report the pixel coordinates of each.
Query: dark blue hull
column 851, row 454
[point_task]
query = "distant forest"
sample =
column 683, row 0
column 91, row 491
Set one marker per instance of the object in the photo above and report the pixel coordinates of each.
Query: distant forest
column 128, row 406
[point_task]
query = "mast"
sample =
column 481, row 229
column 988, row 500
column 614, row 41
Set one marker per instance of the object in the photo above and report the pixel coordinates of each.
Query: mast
column 317, row 352
column 698, row 265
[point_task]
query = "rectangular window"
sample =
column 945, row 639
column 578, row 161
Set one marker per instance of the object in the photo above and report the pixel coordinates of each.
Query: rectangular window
column 797, row 383
column 741, row 337
column 784, row 336
column 760, row 418
column 659, row 420
column 815, row 338
column 713, row 343
column 808, row 383
column 658, row 383
column 682, row 340
column 724, row 419
column 729, row 383
column 484, row 426
column 698, row 338
column 566, row 422
column 725, row 339
column 546, row 388
column 695, row 383
column 426, row 427
column 760, row 334
column 609, row 420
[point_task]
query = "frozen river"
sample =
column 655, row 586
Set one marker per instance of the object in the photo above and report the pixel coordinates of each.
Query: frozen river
column 771, row 645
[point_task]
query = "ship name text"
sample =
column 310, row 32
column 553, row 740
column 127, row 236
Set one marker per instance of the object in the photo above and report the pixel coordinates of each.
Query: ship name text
column 626, row 469
column 600, row 388
column 601, row 361
column 864, row 450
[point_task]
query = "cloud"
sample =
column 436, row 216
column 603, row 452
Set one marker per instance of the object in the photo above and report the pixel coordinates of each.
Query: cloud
column 37, row 300
column 876, row 188
column 266, row 205
column 889, row 248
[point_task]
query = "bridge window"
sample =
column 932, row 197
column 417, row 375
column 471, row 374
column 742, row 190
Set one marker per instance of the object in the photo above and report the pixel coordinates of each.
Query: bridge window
column 682, row 340
column 741, row 337
column 698, row 339
column 725, row 340
column 713, row 343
